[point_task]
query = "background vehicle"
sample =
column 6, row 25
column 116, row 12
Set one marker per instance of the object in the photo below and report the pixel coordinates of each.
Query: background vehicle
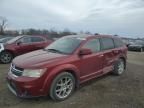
column 65, row 64
column 21, row 45
column 137, row 46
column 4, row 40
column 1, row 36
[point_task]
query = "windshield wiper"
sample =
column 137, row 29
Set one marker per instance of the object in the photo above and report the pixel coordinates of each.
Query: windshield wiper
column 54, row 50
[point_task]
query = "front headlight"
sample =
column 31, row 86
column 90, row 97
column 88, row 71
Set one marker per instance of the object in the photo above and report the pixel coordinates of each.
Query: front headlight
column 1, row 47
column 33, row 73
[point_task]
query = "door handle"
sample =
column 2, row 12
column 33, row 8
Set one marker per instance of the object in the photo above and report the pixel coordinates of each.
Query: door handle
column 115, row 51
column 101, row 55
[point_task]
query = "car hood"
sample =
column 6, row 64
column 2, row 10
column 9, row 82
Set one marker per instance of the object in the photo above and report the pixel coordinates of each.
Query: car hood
column 38, row 59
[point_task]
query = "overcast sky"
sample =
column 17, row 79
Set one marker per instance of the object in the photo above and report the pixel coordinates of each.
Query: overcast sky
column 122, row 17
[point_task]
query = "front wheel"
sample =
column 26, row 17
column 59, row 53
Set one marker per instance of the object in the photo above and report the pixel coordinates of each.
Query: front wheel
column 62, row 86
column 119, row 67
column 6, row 57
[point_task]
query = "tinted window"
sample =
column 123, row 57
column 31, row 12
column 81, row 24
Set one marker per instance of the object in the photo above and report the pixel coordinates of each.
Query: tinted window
column 118, row 43
column 37, row 39
column 107, row 43
column 93, row 44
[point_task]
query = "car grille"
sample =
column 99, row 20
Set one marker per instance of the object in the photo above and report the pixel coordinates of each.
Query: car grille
column 16, row 70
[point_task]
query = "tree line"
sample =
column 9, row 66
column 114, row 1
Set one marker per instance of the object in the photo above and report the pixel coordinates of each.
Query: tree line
column 52, row 33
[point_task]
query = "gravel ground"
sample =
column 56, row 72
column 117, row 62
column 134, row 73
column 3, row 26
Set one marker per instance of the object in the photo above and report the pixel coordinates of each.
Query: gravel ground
column 125, row 91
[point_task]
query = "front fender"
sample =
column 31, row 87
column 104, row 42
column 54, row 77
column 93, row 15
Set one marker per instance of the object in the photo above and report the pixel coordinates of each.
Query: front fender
column 52, row 74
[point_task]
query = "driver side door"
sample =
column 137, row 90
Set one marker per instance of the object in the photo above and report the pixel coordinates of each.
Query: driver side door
column 91, row 65
column 24, row 45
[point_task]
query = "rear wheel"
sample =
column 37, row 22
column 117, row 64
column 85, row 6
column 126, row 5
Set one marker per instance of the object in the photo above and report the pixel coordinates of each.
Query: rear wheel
column 6, row 57
column 62, row 86
column 119, row 67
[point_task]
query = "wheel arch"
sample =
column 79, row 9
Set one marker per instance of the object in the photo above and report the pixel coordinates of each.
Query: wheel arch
column 6, row 50
column 62, row 68
column 74, row 75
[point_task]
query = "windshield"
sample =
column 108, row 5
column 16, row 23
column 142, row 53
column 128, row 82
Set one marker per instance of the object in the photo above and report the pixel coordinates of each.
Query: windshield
column 14, row 39
column 64, row 45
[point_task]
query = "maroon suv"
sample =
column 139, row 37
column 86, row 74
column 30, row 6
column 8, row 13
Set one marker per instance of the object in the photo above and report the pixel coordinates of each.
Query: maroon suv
column 66, row 63
column 20, row 45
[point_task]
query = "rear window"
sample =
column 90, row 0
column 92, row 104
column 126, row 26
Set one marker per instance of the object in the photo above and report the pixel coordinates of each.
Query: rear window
column 107, row 43
column 118, row 43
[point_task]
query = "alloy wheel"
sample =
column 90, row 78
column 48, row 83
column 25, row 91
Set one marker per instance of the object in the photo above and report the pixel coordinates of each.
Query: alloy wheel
column 121, row 67
column 64, row 87
column 6, row 57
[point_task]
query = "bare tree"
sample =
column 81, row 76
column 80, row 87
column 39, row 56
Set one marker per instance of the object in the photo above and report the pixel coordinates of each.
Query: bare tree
column 3, row 24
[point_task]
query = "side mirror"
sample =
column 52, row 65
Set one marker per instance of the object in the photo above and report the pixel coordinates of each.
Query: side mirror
column 85, row 51
column 19, row 43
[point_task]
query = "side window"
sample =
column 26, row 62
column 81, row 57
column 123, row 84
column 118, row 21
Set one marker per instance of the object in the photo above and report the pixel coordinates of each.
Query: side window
column 25, row 40
column 107, row 43
column 118, row 43
column 37, row 39
column 93, row 44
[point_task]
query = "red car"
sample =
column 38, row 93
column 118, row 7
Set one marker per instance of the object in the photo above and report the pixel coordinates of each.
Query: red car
column 66, row 63
column 21, row 45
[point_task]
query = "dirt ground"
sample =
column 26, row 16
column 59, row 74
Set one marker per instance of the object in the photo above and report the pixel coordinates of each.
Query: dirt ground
column 125, row 91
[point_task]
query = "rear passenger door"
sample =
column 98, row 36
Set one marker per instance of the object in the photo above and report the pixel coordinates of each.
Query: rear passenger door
column 120, row 48
column 108, row 55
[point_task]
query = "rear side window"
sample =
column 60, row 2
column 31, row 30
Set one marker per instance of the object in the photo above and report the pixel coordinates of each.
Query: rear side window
column 37, row 39
column 118, row 43
column 93, row 44
column 107, row 43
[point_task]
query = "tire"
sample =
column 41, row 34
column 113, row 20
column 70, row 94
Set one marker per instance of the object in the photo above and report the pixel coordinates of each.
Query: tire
column 60, row 90
column 119, row 67
column 6, row 57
